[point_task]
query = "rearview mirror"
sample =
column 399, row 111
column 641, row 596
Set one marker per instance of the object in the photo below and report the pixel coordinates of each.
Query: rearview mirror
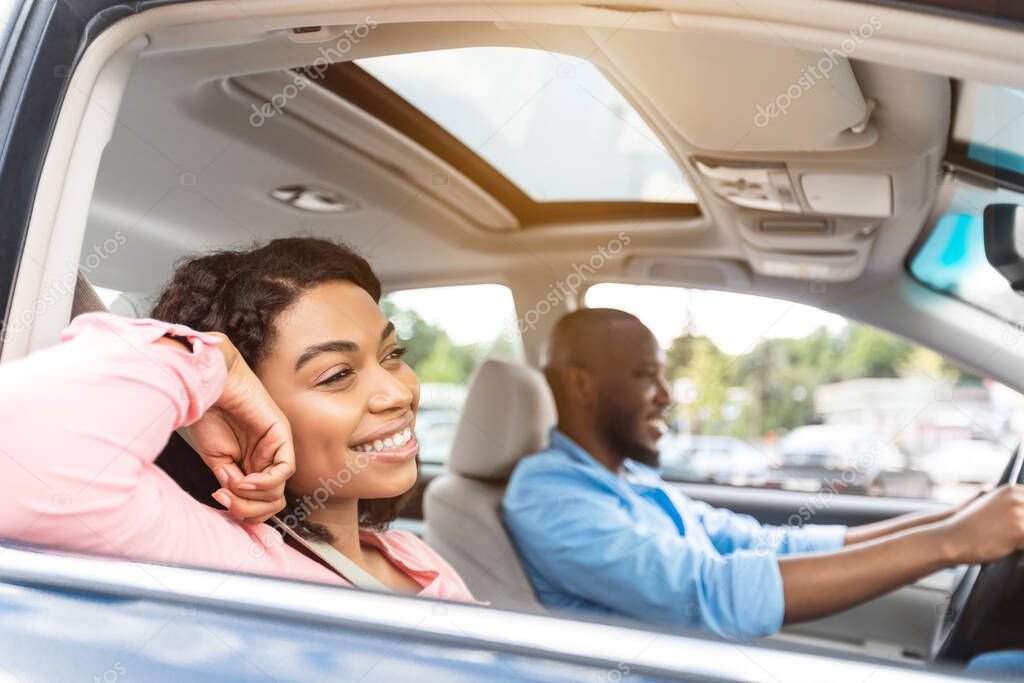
column 1004, row 241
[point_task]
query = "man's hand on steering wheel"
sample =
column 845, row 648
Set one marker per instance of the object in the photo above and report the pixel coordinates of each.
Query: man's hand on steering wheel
column 986, row 528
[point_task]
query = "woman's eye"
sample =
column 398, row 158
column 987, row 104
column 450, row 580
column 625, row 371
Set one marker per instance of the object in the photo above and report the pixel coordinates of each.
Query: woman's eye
column 396, row 354
column 336, row 377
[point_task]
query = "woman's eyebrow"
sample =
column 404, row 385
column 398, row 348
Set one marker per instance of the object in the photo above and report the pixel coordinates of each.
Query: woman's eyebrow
column 312, row 352
column 339, row 346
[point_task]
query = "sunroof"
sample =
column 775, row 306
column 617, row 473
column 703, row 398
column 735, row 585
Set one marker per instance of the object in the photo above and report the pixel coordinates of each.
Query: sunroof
column 551, row 123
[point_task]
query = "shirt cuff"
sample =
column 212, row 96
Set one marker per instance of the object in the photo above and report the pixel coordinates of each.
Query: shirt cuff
column 815, row 538
column 202, row 371
column 757, row 606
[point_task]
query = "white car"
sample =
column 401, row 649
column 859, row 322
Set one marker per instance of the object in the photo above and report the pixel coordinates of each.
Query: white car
column 847, row 457
column 965, row 461
column 720, row 459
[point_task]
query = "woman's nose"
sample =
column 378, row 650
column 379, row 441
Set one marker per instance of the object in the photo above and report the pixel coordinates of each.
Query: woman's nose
column 389, row 392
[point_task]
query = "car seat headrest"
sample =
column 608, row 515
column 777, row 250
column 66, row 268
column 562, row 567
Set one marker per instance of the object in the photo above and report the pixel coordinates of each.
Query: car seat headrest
column 507, row 414
column 85, row 300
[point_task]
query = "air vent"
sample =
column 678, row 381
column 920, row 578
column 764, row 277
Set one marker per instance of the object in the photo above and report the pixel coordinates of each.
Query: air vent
column 796, row 227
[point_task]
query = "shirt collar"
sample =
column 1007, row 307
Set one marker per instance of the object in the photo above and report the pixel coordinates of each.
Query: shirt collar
column 635, row 472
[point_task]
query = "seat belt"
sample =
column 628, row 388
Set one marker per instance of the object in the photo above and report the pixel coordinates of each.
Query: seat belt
column 333, row 558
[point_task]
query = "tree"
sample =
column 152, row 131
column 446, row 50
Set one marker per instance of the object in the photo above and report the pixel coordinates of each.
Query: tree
column 432, row 354
column 699, row 360
column 869, row 353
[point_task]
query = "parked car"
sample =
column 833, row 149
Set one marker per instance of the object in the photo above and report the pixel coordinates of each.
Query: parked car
column 437, row 418
column 847, row 458
column 965, row 462
column 718, row 459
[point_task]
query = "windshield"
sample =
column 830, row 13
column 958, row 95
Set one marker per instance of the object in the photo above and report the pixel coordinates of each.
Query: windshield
column 952, row 259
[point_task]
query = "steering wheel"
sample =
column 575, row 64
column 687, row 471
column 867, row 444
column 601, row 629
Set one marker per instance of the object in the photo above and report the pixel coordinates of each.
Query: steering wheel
column 984, row 612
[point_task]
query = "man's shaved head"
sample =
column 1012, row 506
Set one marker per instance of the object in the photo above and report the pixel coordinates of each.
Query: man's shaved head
column 605, row 369
column 579, row 337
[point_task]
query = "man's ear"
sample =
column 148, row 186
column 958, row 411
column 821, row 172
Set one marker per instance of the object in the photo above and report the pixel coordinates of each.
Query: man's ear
column 580, row 386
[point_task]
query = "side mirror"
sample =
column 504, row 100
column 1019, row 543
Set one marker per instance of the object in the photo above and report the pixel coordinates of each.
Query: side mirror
column 1004, row 242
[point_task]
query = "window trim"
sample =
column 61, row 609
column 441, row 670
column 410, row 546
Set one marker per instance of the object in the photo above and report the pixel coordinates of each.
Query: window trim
column 585, row 641
column 354, row 84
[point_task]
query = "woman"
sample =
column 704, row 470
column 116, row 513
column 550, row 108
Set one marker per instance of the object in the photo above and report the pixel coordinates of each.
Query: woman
column 290, row 385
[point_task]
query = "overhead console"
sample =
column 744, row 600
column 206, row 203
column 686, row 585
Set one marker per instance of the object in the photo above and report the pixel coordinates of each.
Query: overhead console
column 808, row 156
column 800, row 222
column 800, row 219
column 769, row 186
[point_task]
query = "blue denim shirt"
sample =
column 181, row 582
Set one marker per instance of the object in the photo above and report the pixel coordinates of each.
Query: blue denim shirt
column 631, row 545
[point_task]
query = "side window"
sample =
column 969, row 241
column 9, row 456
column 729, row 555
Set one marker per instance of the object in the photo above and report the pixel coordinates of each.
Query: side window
column 775, row 394
column 448, row 331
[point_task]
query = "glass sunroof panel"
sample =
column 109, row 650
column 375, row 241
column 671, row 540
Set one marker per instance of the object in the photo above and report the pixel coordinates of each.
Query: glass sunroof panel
column 551, row 123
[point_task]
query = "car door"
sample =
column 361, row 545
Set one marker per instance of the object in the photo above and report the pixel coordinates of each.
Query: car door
column 110, row 620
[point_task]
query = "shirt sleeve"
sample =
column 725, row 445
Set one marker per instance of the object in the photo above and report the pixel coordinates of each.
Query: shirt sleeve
column 571, row 529
column 730, row 531
column 83, row 422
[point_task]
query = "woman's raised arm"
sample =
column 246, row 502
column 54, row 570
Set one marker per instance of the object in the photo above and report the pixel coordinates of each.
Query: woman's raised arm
column 82, row 422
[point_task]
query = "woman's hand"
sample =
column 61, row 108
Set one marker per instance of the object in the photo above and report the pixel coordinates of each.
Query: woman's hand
column 247, row 442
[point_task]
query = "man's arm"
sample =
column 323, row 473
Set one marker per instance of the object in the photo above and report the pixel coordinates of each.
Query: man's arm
column 887, row 527
column 731, row 531
column 868, row 532
column 572, row 531
column 986, row 529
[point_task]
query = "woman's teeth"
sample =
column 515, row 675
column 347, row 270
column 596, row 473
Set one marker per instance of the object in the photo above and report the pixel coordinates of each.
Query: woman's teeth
column 396, row 440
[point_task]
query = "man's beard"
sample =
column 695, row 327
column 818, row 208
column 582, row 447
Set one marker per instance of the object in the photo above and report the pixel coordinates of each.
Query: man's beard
column 620, row 432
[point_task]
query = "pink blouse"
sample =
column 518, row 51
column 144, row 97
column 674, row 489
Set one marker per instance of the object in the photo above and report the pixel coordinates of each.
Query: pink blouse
column 80, row 426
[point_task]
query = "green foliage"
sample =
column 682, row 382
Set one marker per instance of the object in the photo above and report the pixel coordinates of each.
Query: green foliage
column 768, row 389
column 778, row 377
column 869, row 353
column 431, row 352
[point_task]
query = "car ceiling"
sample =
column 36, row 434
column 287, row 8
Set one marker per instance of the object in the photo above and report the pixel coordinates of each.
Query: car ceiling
column 186, row 171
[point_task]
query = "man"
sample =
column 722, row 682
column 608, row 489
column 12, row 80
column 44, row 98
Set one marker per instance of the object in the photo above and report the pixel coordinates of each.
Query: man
column 598, row 530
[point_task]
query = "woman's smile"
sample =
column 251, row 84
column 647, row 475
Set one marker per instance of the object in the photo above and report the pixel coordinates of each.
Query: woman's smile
column 401, row 447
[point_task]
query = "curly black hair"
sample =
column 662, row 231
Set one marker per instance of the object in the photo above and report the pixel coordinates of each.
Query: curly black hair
column 241, row 293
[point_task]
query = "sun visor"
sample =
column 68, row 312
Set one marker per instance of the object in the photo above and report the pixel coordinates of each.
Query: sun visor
column 721, row 94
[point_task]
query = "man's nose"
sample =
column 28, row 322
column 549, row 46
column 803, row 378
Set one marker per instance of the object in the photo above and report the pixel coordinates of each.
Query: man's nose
column 664, row 395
